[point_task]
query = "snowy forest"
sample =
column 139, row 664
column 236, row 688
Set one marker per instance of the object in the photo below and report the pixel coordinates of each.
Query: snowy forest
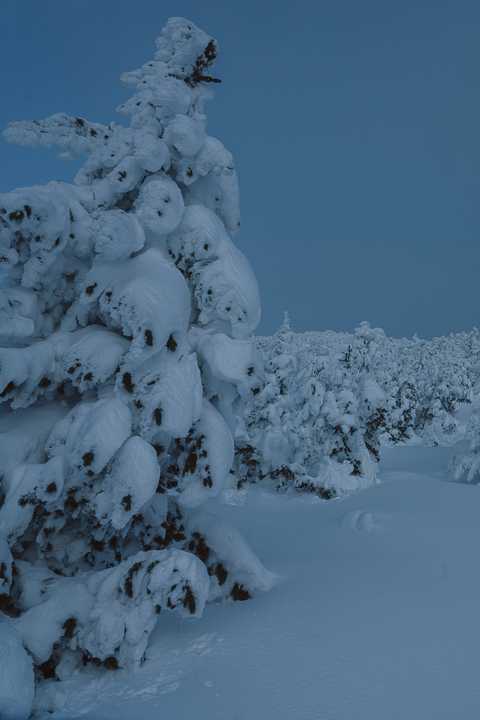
column 177, row 491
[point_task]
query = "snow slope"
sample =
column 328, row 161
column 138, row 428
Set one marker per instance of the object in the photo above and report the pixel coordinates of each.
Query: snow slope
column 375, row 614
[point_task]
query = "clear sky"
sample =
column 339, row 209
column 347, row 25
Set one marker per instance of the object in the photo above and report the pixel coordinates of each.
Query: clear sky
column 354, row 124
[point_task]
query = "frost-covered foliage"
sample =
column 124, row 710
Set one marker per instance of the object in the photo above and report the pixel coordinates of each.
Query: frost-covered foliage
column 125, row 318
column 328, row 401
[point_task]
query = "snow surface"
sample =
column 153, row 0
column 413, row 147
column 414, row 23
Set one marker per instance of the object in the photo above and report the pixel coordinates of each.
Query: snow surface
column 374, row 615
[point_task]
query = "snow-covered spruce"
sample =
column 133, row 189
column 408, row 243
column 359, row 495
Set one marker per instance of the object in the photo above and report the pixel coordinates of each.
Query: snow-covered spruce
column 125, row 318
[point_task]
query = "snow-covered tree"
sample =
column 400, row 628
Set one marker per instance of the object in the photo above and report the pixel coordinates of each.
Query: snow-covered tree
column 307, row 427
column 329, row 401
column 125, row 320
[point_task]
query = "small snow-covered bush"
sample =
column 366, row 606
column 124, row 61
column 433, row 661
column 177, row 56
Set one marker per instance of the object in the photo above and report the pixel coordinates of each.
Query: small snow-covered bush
column 309, row 424
column 466, row 464
column 125, row 320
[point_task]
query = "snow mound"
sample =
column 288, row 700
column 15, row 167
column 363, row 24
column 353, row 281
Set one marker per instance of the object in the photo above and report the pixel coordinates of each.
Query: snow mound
column 16, row 675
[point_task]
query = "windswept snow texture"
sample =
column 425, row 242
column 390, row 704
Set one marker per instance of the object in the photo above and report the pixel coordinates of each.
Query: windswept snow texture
column 375, row 616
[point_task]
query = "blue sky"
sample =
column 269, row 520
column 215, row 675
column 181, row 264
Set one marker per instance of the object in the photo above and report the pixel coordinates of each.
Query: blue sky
column 354, row 124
